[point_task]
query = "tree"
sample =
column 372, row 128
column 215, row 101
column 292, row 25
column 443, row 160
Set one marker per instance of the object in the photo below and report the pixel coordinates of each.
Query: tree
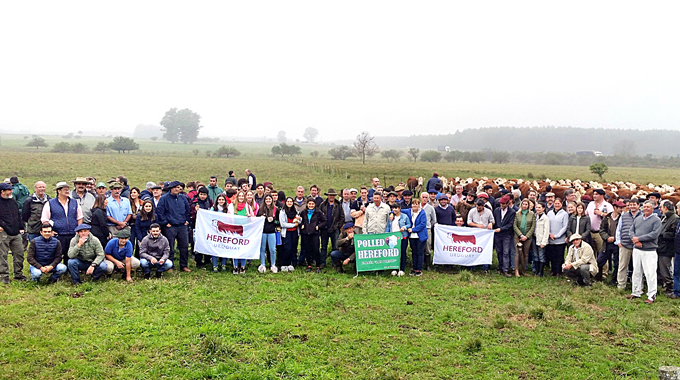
column 284, row 149
column 154, row 138
column 453, row 156
column 314, row 153
column 341, row 152
column 61, row 147
column 123, row 144
column 599, row 168
column 37, row 142
column 311, row 134
column 68, row 135
column 413, row 154
column 227, row 151
column 182, row 125
column 79, row 148
column 364, row 146
column 431, row 156
column 474, row 157
column 281, row 137
column 101, row 147
column 500, row 157
column 391, row 154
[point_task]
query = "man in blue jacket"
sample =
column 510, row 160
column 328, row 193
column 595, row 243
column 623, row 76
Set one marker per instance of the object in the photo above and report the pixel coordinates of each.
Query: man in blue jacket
column 504, row 218
column 173, row 214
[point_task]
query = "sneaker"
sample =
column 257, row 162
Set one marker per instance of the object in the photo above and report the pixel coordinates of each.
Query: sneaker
column 291, row 268
column 400, row 273
column 235, row 271
column 418, row 273
column 274, row 269
column 394, row 273
column 318, row 270
column 215, row 270
column 284, row 268
column 261, row 269
column 412, row 273
column 242, row 270
column 309, row 269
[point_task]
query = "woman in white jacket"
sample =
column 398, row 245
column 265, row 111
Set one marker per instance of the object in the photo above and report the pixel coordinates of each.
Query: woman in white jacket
column 289, row 221
column 542, row 235
column 559, row 221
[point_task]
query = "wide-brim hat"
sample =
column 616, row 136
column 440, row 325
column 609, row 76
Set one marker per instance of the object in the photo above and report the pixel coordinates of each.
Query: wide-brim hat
column 331, row 191
column 400, row 188
column 61, row 185
column 574, row 237
column 80, row 180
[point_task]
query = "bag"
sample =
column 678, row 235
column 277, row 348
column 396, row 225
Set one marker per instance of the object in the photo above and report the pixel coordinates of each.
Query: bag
column 278, row 238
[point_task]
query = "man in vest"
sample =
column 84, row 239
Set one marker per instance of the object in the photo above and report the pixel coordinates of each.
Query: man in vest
column 11, row 227
column 44, row 256
column 625, row 242
column 32, row 210
column 65, row 214
column 85, row 253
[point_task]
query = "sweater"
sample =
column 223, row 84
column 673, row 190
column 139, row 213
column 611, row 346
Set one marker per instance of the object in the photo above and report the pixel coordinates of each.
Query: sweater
column 669, row 223
column 625, row 223
column 157, row 248
column 10, row 221
column 647, row 231
column 558, row 226
column 445, row 216
column 32, row 211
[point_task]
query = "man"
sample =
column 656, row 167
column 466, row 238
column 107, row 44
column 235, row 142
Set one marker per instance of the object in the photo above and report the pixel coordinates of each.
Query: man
column 431, row 221
column 353, row 194
column 157, row 193
column 569, row 196
column 481, row 216
column 625, row 241
column 85, row 253
column 400, row 192
column 252, row 181
column 91, row 185
column 488, row 189
column 676, row 267
column 125, row 192
column 173, row 213
column 65, row 214
column 11, row 228
column 377, row 216
column 100, row 189
column 84, row 198
column 432, row 197
column 504, row 217
column 465, row 205
column 348, row 206
column 19, row 192
column 611, row 249
column 550, row 201
column 666, row 243
column 458, row 196
column 154, row 250
column 146, row 194
column 392, row 198
column 645, row 232
column 596, row 210
column 446, row 215
column 213, row 189
column 32, row 210
column 231, row 179
column 432, row 181
column 487, row 202
column 335, row 219
column 118, row 254
column 345, row 254
column 44, row 256
column 259, row 194
column 376, row 185
column 201, row 202
column 407, row 199
column 314, row 193
column 300, row 201
column 655, row 197
column 580, row 263
column 118, row 210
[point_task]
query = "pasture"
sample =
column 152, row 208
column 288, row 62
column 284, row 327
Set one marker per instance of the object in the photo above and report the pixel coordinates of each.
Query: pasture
column 445, row 324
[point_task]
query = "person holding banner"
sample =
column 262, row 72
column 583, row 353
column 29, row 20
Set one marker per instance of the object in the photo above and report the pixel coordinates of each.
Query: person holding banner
column 418, row 238
column 313, row 220
column 345, row 253
column 400, row 222
column 525, row 223
column 289, row 221
column 271, row 214
column 244, row 209
column 504, row 217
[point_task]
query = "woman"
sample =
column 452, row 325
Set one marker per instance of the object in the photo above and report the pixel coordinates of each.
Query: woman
column 542, row 235
column 99, row 220
column 280, row 199
column 559, row 221
column 145, row 218
column 313, row 221
column 250, row 200
column 417, row 238
column 524, row 226
column 135, row 205
column 242, row 208
column 289, row 221
column 400, row 222
column 579, row 223
column 220, row 203
column 271, row 221
column 571, row 208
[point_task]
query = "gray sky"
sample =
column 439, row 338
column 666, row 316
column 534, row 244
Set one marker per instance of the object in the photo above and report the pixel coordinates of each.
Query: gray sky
column 393, row 68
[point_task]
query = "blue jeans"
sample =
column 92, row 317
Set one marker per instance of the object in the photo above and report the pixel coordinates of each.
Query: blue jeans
column 56, row 272
column 239, row 263
column 325, row 235
column 32, row 236
column 417, row 253
column 76, row 265
column 215, row 260
column 147, row 266
column 676, row 275
column 271, row 239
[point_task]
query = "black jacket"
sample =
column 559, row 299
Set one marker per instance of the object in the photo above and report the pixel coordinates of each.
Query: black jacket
column 338, row 218
column 99, row 224
column 505, row 224
column 669, row 223
column 309, row 227
column 10, row 220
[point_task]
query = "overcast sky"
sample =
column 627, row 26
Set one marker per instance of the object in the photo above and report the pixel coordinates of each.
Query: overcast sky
column 394, row 68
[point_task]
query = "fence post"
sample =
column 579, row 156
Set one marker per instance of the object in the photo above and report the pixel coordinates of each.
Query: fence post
column 669, row 373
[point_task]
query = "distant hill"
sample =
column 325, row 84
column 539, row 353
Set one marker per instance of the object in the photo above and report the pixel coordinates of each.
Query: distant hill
column 546, row 139
column 147, row 131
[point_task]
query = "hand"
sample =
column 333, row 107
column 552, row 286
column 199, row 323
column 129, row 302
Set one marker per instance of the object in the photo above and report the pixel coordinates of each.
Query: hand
column 1, row 229
column 345, row 262
column 523, row 238
column 402, row 229
column 270, row 219
column 490, row 227
column 316, row 228
column 567, row 266
column 90, row 270
column 128, row 279
column 119, row 227
column 410, row 230
column 161, row 262
column 497, row 230
column 185, row 223
column 350, row 236
column 635, row 239
column 620, row 245
column 638, row 244
column 552, row 236
column 168, row 225
column 21, row 231
column 610, row 239
column 154, row 261
column 45, row 269
column 120, row 265
column 82, row 241
column 542, row 245
column 391, row 217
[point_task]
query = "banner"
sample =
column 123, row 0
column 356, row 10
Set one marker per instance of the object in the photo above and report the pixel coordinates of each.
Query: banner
column 377, row 251
column 227, row 235
column 462, row 245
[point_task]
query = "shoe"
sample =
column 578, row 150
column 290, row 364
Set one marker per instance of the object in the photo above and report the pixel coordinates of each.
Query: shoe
column 261, row 269
column 291, row 268
column 506, row 274
column 673, row 296
column 22, row 278
column 123, row 276
column 412, row 273
column 318, row 270
column 159, row 274
column 630, row 296
column 76, row 283
column 215, row 270
column 650, row 300
column 339, row 269
column 242, row 270
column 274, row 269
column 52, row 280
column 309, row 269
column 394, row 273
column 147, row 276
column 400, row 273
column 5, row 281
column 418, row 273
column 284, row 268
column 486, row 272
column 170, row 270
column 235, row 271
column 185, row 269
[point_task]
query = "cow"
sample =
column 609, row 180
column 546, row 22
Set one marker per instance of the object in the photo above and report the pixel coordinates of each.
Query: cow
column 227, row 228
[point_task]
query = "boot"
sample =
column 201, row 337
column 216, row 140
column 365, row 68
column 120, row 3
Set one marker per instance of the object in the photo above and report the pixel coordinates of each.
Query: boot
column 539, row 269
column 427, row 261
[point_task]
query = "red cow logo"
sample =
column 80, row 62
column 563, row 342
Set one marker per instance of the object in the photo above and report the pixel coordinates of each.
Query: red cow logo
column 225, row 227
column 463, row 239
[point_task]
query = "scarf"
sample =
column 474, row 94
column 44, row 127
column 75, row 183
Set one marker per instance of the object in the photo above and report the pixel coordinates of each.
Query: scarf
column 291, row 213
column 523, row 223
column 240, row 206
column 309, row 214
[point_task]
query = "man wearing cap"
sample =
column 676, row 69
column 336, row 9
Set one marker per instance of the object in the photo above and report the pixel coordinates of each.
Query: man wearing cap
column 645, row 232
column 608, row 235
column 345, row 254
column 157, row 193
column 154, row 251
column 100, row 189
column 625, row 242
column 84, row 198
column 504, row 217
column 487, row 202
column 580, row 263
column 44, row 256
column 85, row 253
column 118, row 209
column 432, row 181
column 65, row 214
column 488, row 190
column 550, row 201
column 173, row 214
column 11, row 228
column 19, row 192
column 118, row 255
column 655, row 197
column 465, row 205
column 32, row 210
column 446, row 215
column 407, row 196
column 596, row 210
column 335, row 219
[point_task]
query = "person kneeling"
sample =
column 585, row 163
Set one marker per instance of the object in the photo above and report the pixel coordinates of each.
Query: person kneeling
column 118, row 254
column 345, row 253
column 154, row 251
column 580, row 263
column 44, row 255
column 85, row 252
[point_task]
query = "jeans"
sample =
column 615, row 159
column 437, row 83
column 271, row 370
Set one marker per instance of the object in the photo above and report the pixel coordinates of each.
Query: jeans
column 57, row 271
column 417, row 253
column 540, row 254
column 239, row 263
column 181, row 234
column 16, row 245
column 290, row 244
column 325, row 235
column 676, row 275
column 147, row 266
column 215, row 260
column 503, row 243
column 271, row 240
column 76, row 265
column 338, row 257
column 610, row 252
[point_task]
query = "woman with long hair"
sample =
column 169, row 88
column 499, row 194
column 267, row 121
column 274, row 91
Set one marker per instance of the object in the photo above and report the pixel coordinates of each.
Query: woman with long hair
column 220, row 203
column 271, row 214
column 145, row 218
column 250, row 200
column 313, row 221
column 524, row 226
column 579, row 223
column 135, row 205
column 99, row 220
column 289, row 221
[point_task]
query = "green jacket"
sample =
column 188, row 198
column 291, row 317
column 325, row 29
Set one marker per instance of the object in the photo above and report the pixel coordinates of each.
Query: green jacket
column 90, row 251
column 531, row 224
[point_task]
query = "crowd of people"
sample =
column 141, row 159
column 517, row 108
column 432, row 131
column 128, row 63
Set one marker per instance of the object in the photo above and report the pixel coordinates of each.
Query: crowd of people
column 105, row 228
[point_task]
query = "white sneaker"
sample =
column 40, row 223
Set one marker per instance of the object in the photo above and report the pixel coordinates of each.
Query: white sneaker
column 291, row 268
column 274, row 269
column 261, row 269
column 284, row 268
column 394, row 273
column 401, row 273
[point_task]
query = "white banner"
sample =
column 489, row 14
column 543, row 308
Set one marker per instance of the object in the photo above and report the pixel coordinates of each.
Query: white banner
column 462, row 245
column 226, row 235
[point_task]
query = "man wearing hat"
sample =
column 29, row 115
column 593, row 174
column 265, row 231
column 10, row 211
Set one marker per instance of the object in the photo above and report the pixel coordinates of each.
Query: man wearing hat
column 118, row 209
column 504, row 218
column 432, row 181
column 549, row 201
column 608, row 235
column 85, row 253
column 407, row 196
column 580, row 263
column 655, row 197
column 118, row 255
column 11, row 227
column 84, row 198
column 487, row 200
column 173, row 214
column 446, row 215
column 100, row 189
column 19, row 192
column 335, row 218
column 65, row 215
column 400, row 192
column 465, row 205
column 596, row 210
column 345, row 254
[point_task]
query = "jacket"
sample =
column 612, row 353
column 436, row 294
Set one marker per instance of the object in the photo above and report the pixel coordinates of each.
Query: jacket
column 583, row 227
column 44, row 252
column 608, row 227
column 64, row 224
column 20, row 192
column 213, row 192
column 377, row 218
column 404, row 221
column 420, row 226
column 32, row 211
column 173, row 210
column 558, row 226
column 158, row 248
column 309, row 225
column 285, row 225
column 505, row 224
column 338, row 217
column 270, row 227
column 346, row 245
column 10, row 220
column 99, row 224
column 90, row 251
column 582, row 255
column 669, row 223
column 463, row 208
column 531, row 224
column 142, row 227
column 542, row 230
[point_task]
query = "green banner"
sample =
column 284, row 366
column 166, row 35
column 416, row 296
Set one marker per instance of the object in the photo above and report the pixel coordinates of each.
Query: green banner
column 378, row 251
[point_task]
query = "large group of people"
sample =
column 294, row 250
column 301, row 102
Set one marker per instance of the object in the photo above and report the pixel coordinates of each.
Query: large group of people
column 104, row 228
